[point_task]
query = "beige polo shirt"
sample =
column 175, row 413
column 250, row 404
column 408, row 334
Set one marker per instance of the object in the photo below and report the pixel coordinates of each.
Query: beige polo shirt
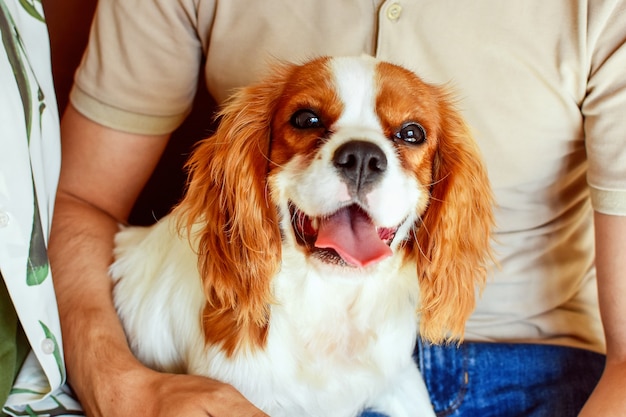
column 542, row 83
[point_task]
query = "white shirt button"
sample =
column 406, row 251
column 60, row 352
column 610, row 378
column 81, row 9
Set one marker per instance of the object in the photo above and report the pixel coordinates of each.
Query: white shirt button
column 4, row 219
column 47, row 346
column 394, row 11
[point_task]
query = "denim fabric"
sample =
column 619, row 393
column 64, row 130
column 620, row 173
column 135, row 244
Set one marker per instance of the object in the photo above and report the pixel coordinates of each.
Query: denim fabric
column 507, row 380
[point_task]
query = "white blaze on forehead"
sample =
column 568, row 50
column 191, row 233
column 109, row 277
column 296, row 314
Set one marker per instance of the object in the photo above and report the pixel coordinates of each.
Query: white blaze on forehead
column 356, row 86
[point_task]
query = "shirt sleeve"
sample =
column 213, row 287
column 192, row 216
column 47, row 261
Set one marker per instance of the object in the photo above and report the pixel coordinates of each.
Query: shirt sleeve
column 604, row 108
column 140, row 70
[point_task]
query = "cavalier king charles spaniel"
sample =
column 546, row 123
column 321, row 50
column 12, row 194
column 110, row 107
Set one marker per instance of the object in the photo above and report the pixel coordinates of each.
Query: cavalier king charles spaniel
column 340, row 210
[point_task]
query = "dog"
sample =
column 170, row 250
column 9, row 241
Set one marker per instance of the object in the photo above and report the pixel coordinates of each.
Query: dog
column 340, row 209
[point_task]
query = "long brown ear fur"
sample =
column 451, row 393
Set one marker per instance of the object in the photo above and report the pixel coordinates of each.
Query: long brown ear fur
column 453, row 241
column 227, row 212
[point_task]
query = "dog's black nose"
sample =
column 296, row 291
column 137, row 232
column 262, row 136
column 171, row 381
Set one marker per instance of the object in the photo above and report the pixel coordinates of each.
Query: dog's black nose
column 360, row 162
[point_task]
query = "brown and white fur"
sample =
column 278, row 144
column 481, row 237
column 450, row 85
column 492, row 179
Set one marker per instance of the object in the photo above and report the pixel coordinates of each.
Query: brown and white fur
column 239, row 284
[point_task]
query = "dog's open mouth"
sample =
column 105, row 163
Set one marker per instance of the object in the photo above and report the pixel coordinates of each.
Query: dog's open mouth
column 347, row 236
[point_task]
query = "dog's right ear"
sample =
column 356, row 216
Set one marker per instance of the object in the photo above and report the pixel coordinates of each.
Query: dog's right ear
column 231, row 221
column 454, row 240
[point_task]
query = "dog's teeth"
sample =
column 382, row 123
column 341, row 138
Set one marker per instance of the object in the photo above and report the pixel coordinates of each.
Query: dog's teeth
column 315, row 223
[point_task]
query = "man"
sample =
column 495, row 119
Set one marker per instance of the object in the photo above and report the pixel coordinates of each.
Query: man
column 541, row 83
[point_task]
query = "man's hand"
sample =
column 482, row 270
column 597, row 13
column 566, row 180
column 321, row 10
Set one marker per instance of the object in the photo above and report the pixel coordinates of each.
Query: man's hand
column 609, row 397
column 143, row 392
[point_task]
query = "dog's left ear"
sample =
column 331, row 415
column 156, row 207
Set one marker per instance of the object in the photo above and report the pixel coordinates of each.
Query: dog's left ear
column 453, row 241
column 226, row 210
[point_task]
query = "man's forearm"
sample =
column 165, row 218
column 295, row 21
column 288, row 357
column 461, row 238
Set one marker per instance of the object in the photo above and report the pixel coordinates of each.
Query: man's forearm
column 609, row 398
column 80, row 252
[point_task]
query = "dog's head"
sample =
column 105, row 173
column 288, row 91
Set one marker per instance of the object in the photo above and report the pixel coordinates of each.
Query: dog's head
column 350, row 161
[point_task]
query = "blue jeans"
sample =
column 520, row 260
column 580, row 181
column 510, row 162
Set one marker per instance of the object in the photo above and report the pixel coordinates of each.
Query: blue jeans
column 507, row 380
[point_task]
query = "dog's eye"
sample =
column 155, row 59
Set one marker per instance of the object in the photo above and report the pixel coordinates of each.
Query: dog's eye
column 412, row 133
column 306, row 119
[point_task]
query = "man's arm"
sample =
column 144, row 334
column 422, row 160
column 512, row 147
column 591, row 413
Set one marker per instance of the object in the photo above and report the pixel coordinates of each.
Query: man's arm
column 609, row 398
column 103, row 172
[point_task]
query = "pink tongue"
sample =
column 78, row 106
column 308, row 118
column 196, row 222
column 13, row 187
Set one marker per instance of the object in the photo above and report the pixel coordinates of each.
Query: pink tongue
column 351, row 233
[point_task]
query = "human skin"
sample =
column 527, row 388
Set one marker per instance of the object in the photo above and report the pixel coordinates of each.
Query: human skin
column 608, row 398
